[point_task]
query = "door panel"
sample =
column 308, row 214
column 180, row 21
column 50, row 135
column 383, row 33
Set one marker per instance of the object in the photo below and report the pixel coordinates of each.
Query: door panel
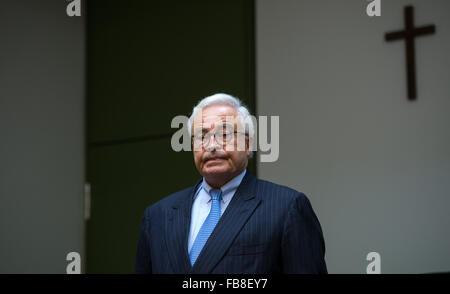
column 126, row 179
column 149, row 61
column 155, row 59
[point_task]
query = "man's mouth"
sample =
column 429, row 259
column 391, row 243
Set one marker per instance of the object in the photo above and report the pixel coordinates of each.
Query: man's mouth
column 215, row 159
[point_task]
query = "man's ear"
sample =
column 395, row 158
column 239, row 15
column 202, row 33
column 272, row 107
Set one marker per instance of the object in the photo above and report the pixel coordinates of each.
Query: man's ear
column 249, row 143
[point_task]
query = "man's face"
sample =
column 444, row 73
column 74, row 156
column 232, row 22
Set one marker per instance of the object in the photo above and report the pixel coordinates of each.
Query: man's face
column 217, row 156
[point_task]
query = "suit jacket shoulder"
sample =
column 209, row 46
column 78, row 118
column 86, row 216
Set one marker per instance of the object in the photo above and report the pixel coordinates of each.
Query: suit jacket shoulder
column 172, row 200
column 269, row 190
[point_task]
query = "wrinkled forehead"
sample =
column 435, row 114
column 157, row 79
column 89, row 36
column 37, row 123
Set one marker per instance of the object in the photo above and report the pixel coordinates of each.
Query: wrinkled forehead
column 211, row 117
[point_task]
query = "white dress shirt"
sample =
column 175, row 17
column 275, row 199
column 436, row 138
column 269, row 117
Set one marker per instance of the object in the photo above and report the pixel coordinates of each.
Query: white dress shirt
column 202, row 204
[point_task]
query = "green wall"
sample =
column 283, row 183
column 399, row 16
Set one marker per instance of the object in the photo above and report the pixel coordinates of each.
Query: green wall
column 149, row 61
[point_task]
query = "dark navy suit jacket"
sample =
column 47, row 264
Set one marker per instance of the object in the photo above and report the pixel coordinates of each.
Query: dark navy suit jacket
column 266, row 228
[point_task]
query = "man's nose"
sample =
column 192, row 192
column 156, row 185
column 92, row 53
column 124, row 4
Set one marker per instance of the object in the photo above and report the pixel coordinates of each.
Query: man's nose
column 212, row 145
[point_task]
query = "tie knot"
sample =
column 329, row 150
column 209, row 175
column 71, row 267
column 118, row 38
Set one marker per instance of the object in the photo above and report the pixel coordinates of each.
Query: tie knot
column 216, row 194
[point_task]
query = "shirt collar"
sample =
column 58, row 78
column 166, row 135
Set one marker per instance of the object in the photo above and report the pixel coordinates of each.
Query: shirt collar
column 229, row 186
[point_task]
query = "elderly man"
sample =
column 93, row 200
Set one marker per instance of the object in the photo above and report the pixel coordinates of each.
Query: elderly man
column 229, row 222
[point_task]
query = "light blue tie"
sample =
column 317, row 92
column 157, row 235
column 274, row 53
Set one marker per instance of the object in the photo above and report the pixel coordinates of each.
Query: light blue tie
column 208, row 226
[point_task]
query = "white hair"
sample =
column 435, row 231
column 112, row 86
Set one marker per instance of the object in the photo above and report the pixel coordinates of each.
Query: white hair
column 225, row 99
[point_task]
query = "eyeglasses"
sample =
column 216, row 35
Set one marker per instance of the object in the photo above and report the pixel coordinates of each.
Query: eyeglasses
column 221, row 137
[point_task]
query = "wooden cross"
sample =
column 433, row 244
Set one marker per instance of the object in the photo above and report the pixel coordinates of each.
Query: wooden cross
column 409, row 33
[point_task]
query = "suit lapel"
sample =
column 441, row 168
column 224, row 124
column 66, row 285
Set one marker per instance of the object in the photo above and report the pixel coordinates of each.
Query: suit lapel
column 177, row 231
column 236, row 215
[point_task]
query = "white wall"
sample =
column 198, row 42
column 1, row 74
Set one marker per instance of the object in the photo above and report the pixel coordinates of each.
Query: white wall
column 375, row 166
column 42, row 64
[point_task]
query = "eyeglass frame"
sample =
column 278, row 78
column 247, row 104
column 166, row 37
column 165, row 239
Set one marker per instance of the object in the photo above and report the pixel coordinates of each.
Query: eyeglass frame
column 221, row 142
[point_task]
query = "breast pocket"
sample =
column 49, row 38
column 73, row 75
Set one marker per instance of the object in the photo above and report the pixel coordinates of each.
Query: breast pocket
column 247, row 249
